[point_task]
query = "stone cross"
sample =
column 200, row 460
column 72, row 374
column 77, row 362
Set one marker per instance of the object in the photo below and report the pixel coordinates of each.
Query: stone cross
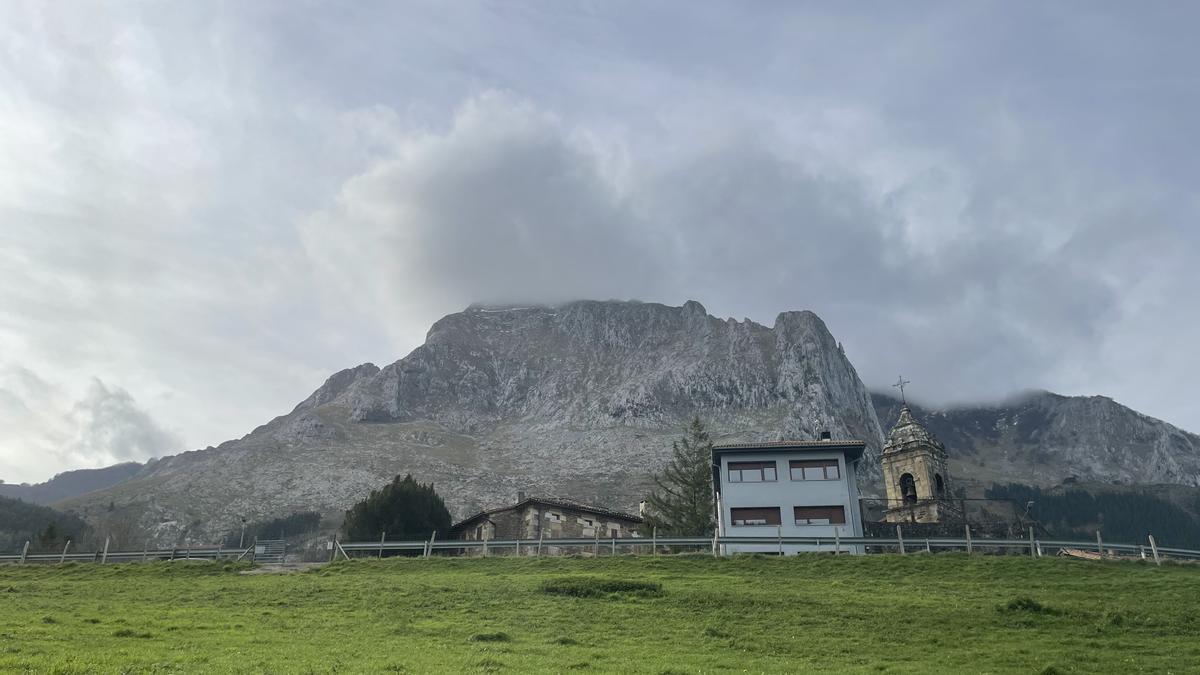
column 900, row 385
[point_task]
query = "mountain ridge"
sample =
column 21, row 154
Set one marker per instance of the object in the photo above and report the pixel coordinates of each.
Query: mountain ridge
column 582, row 398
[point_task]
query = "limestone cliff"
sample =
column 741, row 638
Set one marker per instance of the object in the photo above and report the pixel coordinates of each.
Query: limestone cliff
column 581, row 400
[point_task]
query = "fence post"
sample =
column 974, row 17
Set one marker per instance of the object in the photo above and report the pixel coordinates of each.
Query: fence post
column 900, row 539
column 1142, row 552
column 779, row 536
column 1154, row 549
column 381, row 536
column 63, row 558
column 614, row 545
column 837, row 541
column 927, row 549
column 1032, row 550
column 1099, row 544
column 24, row 552
column 716, row 536
column 654, row 541
column 969, row 547
column 539, row 548
column 432, row 538
column 332, row 549
column 518, row 547
column 104, row 558
column 485, row 541
column 596, row 542
column 145, row 547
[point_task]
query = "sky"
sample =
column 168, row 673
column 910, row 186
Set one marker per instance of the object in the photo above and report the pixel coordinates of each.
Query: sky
column 208, row 208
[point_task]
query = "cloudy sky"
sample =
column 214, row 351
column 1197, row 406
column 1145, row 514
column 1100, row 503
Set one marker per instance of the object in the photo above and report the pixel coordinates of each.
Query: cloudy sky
column 207, row 208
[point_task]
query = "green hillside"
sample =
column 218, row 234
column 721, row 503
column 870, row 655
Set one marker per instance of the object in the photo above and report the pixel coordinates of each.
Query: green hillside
column 42, row 526
column 917, row 613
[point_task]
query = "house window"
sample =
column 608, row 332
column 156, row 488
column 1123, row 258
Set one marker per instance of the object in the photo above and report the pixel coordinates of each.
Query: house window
column 820, row 515
column 553, row 517
column 755, row 516
column 814, row 469
column 751, row 472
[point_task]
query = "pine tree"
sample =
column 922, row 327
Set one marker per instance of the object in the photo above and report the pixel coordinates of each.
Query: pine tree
column 403, row 509
column 682, row 503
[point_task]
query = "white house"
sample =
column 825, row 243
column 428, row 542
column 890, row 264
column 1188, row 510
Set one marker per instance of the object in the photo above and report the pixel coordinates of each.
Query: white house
column 788, row 488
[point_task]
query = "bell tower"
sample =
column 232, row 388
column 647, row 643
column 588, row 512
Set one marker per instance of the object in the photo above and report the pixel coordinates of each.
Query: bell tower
column 914, row 472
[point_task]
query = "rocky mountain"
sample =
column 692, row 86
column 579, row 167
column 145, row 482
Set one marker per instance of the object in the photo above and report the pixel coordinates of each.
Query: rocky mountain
column 70, row 484
column 1040, row 438
column 581, row 400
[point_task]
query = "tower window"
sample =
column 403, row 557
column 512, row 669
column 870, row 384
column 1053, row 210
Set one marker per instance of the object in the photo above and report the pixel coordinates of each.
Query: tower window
column 908, row 489
column 939, row 485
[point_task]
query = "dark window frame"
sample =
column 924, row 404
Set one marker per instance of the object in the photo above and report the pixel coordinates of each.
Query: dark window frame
column 831, row 469
column 736, row 471
column 759, row 513
column 835, row 514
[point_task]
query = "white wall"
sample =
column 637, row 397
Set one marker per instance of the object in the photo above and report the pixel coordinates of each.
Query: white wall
column 785, row 494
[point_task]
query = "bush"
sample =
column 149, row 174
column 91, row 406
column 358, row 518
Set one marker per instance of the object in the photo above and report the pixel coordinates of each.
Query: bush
column 498, row 636
column 1029, row 605
column 599, row 587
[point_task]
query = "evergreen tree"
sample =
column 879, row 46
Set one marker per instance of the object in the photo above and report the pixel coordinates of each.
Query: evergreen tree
column 682, row 503
column 403, row 509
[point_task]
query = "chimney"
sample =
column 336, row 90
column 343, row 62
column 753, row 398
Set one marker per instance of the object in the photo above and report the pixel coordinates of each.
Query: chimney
column 826, row 436
column 520, row 496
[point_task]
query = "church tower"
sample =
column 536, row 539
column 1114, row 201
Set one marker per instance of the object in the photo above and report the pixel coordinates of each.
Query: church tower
column 914, row 471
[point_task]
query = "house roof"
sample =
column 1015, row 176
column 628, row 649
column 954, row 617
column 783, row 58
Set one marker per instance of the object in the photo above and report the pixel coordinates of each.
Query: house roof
column 853, row 448
column 561, row 502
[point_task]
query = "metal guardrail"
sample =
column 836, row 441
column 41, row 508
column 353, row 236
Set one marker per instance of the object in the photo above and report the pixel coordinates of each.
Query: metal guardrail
column 828, row 544
column 185, row 553
column 632, row 545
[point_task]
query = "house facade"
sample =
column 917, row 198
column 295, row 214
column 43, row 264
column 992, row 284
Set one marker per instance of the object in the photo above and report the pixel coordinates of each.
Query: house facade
column 533, row 518
column 790, row 489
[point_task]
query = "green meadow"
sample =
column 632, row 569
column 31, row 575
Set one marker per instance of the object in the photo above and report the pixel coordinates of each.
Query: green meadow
column 666, row 614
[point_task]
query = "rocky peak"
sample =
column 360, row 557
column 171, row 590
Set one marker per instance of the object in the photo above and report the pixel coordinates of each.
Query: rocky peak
column 335, row 385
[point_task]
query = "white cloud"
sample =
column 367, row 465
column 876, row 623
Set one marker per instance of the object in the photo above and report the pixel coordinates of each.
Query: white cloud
column 103, row 426
column 217, row 205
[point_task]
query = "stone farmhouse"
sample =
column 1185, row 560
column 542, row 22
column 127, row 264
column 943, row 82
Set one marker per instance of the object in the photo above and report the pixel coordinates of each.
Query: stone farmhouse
column 534, row 518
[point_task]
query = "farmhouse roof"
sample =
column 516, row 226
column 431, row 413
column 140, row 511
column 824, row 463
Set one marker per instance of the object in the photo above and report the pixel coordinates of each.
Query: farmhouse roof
column 560, row 502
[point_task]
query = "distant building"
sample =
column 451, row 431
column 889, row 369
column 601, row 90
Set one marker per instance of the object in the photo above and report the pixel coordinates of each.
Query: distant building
column 788, row 488
column 546, row 517
column 914, row 474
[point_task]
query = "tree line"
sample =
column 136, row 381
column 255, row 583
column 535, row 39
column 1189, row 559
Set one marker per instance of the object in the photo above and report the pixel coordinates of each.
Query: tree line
column 1126, row 516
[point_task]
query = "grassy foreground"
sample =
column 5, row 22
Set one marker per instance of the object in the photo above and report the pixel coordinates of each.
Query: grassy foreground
column 943, row 613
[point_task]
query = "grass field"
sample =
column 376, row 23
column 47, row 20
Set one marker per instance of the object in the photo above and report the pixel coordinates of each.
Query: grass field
column 689, row 614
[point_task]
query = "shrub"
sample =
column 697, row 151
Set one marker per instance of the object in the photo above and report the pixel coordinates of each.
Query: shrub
column 499, row 636
column 1029, row 605
column 599, row 587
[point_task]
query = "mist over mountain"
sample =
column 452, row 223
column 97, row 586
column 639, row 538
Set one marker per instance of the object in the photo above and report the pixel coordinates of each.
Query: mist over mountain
column 1042, row 438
